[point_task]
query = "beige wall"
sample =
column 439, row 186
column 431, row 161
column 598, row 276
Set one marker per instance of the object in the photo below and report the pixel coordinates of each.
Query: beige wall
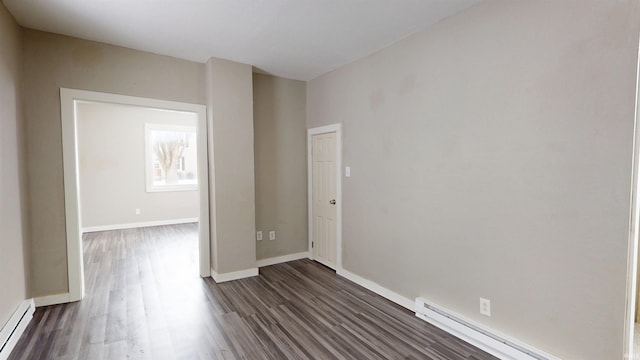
column 111, row 154
column 280, row 146
column 54, row 61
column 232, row 206
column 491, row 156
column 13, row 223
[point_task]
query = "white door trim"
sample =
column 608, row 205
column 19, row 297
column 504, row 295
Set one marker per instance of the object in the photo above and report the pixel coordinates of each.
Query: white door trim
column 336, row 128
column 68, row 98
column 634, row 223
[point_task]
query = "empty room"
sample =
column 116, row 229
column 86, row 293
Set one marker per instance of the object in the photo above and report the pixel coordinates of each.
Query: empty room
column 319, row 179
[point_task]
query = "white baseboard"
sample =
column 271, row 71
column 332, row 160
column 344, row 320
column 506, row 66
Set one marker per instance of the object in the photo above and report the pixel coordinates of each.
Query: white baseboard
column 481, row 337
column 282, row 259
column 378, row 289
column 234, row 275
column 13, row 329
column 138, row 225
column 52, row 299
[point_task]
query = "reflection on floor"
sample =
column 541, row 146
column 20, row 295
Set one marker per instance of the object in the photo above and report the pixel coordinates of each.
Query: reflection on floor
column 636, row 341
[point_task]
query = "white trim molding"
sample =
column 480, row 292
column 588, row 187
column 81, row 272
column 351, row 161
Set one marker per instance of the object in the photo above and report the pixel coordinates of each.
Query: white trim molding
column 13, row 329
column 282, row 259
column 53, row 299
column 138, row 225
column 68, row 100
column 632, row 241
column 336, row 128
column 234, row 275
column 379, row 289
column 75, row 264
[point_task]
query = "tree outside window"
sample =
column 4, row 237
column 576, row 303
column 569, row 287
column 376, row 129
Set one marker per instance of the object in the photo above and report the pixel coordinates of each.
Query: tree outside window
column 172, row 163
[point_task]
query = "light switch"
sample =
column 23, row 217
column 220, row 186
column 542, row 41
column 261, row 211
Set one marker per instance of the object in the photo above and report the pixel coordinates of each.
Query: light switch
column 347, row 171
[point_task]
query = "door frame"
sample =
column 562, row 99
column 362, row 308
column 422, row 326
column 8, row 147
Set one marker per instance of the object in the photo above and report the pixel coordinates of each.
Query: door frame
column 68, row 99
column 634, row 225
column 337, row 129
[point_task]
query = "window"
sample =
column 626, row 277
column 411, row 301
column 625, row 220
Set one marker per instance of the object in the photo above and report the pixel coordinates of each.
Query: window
column 172, row 161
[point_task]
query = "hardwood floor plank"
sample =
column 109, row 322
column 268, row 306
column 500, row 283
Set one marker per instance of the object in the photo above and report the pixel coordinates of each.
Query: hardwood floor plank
column 161, row 344
column 242, row 340
column 93, row 351
column 145, row 300
column 306, row 341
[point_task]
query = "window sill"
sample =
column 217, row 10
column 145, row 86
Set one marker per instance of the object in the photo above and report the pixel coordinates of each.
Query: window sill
column 172, row 188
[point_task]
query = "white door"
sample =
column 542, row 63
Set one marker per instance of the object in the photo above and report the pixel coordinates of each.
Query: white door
column 323, row 155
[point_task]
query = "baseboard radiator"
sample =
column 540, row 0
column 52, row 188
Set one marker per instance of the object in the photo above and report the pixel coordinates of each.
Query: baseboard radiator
column 13, row 329
column 494, row 343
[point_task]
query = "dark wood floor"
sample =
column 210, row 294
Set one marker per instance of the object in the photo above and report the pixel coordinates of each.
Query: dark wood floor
column 145, row 301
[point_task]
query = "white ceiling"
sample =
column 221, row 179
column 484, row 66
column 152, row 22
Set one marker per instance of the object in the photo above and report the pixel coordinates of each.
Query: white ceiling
column 297, row 39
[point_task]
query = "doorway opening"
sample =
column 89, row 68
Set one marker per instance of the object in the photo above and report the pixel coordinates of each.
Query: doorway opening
column 173, row 147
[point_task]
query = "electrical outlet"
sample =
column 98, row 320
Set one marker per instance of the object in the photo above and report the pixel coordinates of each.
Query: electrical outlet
column 272, row 235
column 259, row 235
column 137, row 211
column 485, row 307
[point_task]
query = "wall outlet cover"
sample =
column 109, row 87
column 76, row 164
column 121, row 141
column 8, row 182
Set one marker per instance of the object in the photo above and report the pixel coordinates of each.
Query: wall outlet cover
column 485, row 307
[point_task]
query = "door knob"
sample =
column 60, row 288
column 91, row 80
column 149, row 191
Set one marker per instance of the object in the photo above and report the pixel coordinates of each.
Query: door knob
column 332, row 202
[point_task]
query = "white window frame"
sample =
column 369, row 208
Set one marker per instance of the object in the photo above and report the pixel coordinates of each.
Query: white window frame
column 148, row 127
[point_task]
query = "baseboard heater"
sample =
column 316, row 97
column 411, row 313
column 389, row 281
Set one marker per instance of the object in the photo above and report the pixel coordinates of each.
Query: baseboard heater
column 494, row 343
column 13, row 329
